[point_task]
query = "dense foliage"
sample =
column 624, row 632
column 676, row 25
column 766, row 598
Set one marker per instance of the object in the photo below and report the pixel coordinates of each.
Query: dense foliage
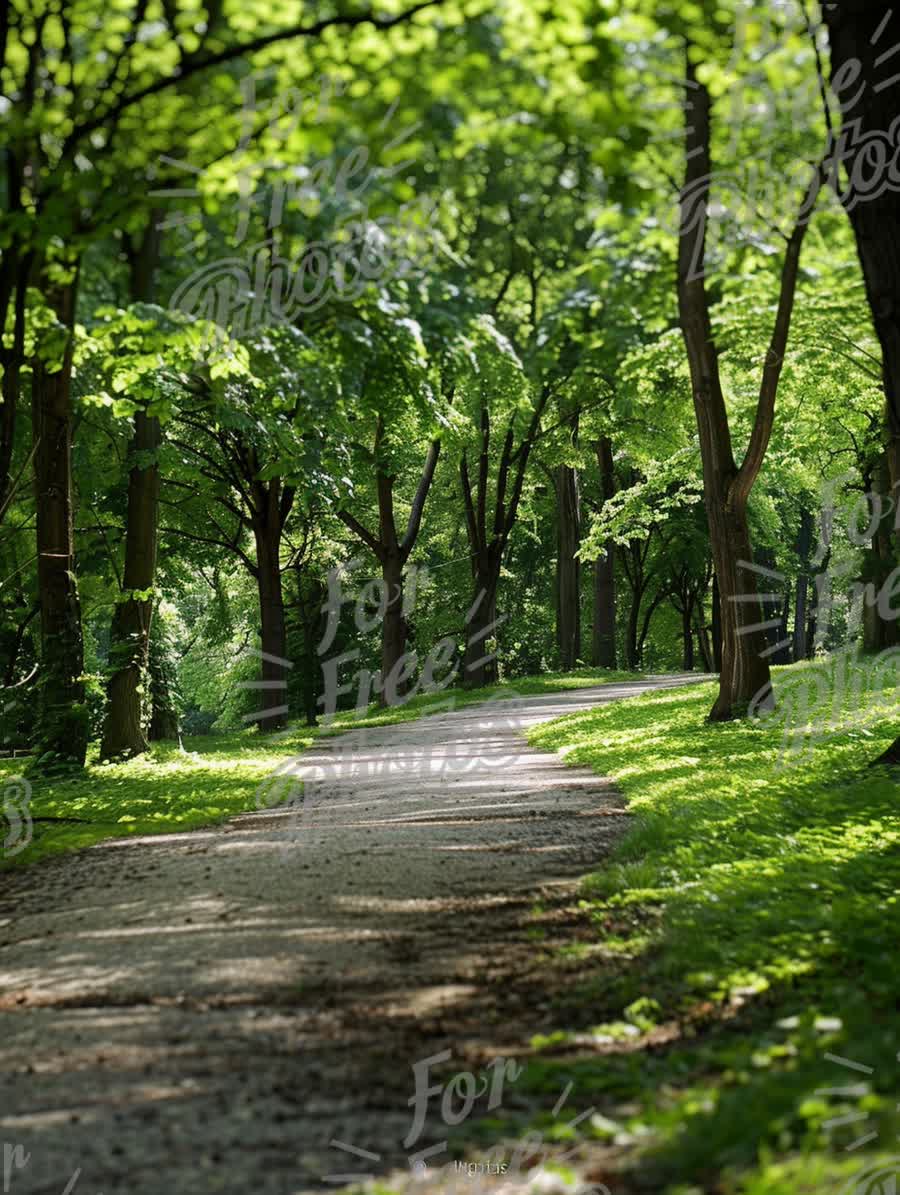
column 423, row 318
column 352, row 357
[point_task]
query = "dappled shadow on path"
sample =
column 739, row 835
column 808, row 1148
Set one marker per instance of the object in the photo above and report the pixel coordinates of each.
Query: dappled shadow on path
column 206, row 1011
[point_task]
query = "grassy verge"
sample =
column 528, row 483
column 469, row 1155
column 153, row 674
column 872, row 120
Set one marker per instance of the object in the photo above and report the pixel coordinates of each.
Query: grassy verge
column 215, row 777
column 747, row 930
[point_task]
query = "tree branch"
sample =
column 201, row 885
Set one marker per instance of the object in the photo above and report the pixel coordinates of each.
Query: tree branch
column 357, row 528
column 192, row 66
column 765, row 407
column 475, row 536
column 418, row 506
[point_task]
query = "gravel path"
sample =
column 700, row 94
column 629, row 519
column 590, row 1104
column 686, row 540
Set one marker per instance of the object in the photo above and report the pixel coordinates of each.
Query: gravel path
column 205, row 1012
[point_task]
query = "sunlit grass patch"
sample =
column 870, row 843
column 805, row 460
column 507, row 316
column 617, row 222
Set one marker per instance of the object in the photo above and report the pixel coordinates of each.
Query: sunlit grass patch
column 164, row 791
column 761, row 886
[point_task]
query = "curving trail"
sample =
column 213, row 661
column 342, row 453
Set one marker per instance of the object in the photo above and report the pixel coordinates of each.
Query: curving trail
column 204, row 1012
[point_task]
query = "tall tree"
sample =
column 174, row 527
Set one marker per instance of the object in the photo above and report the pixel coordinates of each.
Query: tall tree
column 867, row 95
column 398, row 393
column 234, row 449
column 128, row 705
column 867, row 91
column 489, row 529
column 392, row 551
column 744, row 679
column 62, row 731
column 568, row 564
column 603, row 652
column 88, row 107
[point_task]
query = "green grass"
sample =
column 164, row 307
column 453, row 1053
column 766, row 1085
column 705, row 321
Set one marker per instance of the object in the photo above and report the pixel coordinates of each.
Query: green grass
column 752, row 912
column 746, row 928
column 215, row 777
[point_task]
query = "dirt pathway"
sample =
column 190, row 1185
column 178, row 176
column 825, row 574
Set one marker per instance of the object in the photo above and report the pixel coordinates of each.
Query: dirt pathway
column 205, row 1012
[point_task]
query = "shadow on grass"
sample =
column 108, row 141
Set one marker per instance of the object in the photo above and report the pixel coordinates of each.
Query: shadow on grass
column 745, row 933
column 750, row 893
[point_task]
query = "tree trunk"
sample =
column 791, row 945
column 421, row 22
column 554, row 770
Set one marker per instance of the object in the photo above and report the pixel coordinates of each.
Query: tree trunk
column 123, row 730
column 14, row 274
column 17, row 613
column 603, row 654
column 309, row 624
column 744, row 682
column 860, row 40
column 687, row 637
column 704, row 643
column 393, row 552
column 744, row 677
column 479, row 662
column 631, row 635
column 164, row 724
column 63, row 724
column 129, row 652
column 273, row 712
column 779, row 649
column 801, row 595
column 568, row 568
column 819, row 584
column 488, row 538
column 879, row 632
column 716, row 625
column 783, row 654
column 393, row 630
column 12, row 637
column 801, row 603
column 776, row 612
column 660, row 597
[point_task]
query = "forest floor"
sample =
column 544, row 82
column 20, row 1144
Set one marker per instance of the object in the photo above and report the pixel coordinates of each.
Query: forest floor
column 207, row 1011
